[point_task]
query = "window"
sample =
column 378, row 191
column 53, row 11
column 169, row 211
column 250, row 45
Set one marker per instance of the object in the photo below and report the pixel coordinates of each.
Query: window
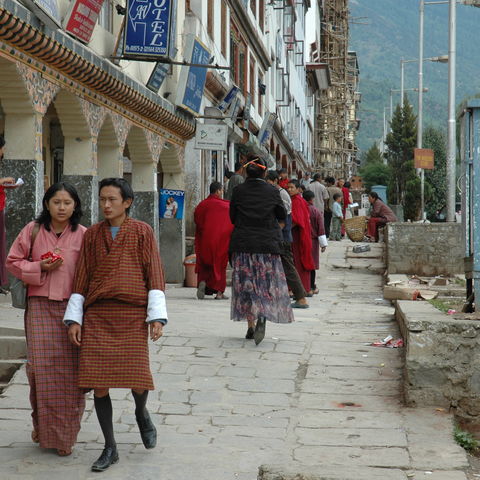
column 261, row 15
column 252, row 86
column 210, row 18
column 238, row 59
column 261, row 93
column 105, row 17
column 253, row 7
column 224, row 29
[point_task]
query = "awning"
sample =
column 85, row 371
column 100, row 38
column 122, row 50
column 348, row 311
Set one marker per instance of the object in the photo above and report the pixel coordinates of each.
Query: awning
column 319, row 75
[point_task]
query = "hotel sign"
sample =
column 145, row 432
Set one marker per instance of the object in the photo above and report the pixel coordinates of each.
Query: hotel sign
column 424, row 158
column 150, row 28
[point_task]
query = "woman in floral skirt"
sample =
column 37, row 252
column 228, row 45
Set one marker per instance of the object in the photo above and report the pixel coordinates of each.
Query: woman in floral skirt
column 259, row 287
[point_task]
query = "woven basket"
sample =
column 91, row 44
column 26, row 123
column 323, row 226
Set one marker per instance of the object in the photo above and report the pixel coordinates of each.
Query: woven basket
column 355, row 228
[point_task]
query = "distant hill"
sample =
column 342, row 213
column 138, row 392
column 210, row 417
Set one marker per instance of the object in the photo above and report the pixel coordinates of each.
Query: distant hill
column 392, row 34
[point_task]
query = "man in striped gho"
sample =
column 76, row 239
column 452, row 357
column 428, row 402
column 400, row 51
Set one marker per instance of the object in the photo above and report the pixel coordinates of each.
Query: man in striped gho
column 118, row 299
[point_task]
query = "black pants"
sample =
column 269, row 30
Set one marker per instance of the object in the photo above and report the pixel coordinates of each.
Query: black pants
column 293, row 280
column 327, row 219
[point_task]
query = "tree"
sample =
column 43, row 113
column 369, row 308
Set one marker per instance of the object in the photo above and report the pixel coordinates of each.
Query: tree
column 436, row 179
column 373, row 155
column 400, row 143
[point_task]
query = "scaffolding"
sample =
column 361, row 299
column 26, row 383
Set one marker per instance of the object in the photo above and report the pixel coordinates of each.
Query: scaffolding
column 335, row 108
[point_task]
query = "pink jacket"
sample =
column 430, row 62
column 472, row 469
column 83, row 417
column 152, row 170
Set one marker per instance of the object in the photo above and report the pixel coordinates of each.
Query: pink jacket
column 56, row 285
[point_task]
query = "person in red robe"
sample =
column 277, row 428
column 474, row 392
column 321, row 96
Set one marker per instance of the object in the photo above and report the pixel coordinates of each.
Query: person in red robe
column 319, row 239
column 212, row 237
column 347, row 200
column 301, row 232
column 380, row 215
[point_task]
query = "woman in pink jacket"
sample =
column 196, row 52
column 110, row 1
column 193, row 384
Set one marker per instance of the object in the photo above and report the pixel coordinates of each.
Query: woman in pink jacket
column 52, row 361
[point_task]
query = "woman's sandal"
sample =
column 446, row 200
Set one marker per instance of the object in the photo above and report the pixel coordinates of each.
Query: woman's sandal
column 64, row 453
column 35, row 436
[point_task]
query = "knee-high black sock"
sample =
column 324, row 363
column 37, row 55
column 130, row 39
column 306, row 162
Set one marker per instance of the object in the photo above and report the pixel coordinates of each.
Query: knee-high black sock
column 140, row 401
column 103, row 407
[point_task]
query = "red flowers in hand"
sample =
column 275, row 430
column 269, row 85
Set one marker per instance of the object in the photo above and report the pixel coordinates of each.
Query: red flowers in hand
column 52, row 256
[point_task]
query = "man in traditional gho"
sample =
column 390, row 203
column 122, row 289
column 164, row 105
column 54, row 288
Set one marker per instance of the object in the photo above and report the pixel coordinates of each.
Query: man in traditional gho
column 118, row 298
column 212, row 237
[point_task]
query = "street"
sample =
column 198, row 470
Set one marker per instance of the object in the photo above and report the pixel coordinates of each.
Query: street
column 312, row 397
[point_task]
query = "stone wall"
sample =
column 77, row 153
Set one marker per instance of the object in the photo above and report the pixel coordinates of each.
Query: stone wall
column 424, row 249
column 442, row 359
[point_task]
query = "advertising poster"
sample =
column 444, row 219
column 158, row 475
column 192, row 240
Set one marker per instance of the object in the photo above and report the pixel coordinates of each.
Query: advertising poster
column 171, row 203
column 82, row 19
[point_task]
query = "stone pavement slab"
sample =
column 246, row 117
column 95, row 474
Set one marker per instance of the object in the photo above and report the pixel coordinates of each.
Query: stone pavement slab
column 311, row 398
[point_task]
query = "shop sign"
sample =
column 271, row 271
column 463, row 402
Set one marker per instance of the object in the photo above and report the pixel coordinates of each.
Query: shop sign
column 150, row 29
column 82, row 18
column 266, row 129
column 47, row 11
column 247, row 110
column 171, row 203
column 229, row 97
column 192, row 78
column 157, row 77
column 211, row 137
column 424, row 158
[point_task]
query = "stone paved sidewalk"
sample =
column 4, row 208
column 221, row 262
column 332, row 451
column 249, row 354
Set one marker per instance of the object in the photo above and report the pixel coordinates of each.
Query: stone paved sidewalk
column 312, row 397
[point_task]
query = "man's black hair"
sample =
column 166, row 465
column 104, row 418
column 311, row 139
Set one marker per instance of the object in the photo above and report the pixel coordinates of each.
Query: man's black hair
column 215, row 187
column 337, row 195
column 272, row 175
column 308, row 195
column 316, row 177
column 125, row 189
column 238, row 166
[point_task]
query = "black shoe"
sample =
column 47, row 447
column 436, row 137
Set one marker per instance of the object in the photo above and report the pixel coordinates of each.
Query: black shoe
column 259, row 333
column 148, row 432
column 108, row 457
column 249, row 334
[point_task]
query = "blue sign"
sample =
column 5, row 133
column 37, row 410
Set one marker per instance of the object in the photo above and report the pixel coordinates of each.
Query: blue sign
column 158, row 76
column 171, row 203
column 149, row 29
column 191, row 90
column 229, row 97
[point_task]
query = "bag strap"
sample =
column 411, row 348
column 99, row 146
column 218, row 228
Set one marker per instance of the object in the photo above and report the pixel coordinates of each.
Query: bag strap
column 36, row 229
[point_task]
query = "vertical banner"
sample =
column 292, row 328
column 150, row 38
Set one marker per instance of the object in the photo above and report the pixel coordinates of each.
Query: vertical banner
column 171, row 203
column 192, row 79
column 150, row 28
column 82, row 18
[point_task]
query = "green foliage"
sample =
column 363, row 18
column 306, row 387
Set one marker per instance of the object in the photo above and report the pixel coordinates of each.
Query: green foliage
column 375, row 173
column 436, row 179
column 404, row 188
column 373, row 155
column 465, row 439
column 442, row 305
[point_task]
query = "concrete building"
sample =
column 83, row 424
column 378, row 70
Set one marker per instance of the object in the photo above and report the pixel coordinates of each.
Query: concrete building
column 75, row 106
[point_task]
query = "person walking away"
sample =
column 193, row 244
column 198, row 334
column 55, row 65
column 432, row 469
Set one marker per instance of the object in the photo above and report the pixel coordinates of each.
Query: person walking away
column 52, row 361
column 234, row 180
column 320, row 191
column 319, row 240
column 301, row 232
column 259, row 287
column 306, row 180
column 293, row 280
column 380, row 215
column 212, row 236
column 118, row 297
column 332, row 190
column 337, row 218
column 5, row 183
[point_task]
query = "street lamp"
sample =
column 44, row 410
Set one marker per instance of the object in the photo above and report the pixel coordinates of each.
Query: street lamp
column 452, row 142
column 439, row 59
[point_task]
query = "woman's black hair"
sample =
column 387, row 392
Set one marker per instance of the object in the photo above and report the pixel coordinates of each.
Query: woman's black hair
column 374, row 195
column 125, row 189
column 347, row 184
column 254, row 170
column 45, row 218
column 308, row 195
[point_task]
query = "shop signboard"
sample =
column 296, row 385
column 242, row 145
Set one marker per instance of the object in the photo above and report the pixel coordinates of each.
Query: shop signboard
column 157, row 76
column 192, row 78
column 82, row 18
column 424, row 158
column 150, row 28
column 266, row 129
column 47, row 11
column 229, row 97
column 211, row 137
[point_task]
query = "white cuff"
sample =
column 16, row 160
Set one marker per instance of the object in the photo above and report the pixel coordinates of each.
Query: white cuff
column 323, row 241
column 157, row 306
column 74, row 311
